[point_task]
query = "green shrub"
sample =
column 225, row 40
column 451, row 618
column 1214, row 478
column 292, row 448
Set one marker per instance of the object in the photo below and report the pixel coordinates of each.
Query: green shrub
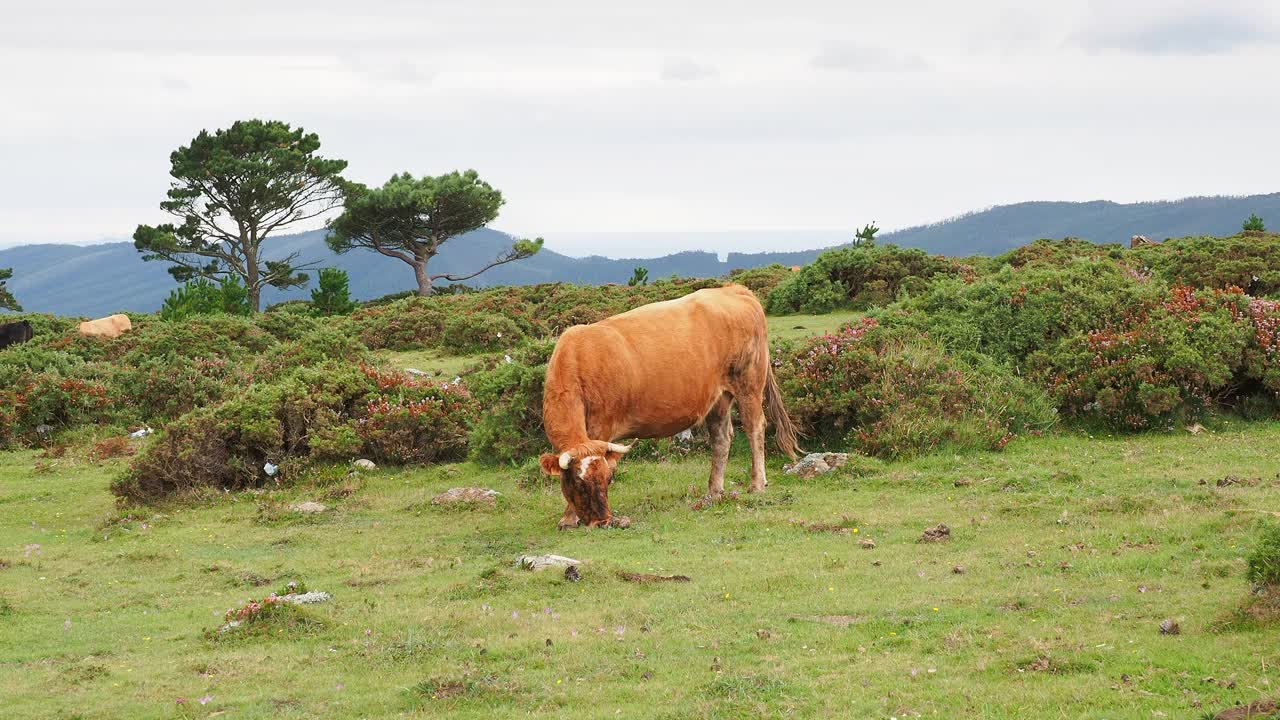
column 202, row 297
column 857, row 277
column 1160, row 363
column 229, row 445
column 898, row 394
column 409, row 324
column 162, row 388
column 761, row 280
column 510, row 428
column 473, row 332
column 333, row 296
column 224, row 336
column 1013, row 312
column 1249, row 263
column 1264, row 558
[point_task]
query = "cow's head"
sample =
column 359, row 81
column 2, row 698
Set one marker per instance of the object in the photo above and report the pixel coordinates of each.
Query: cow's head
column 585, row 474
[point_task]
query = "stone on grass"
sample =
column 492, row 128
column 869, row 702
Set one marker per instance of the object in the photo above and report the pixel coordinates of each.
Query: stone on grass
column 1170, row 627
column 542, row 562
column 868, row 544
column 309, row 507
column 365, row 464
column 467, row 496
column 815, row 464
column 938, row 533
column 306, row 598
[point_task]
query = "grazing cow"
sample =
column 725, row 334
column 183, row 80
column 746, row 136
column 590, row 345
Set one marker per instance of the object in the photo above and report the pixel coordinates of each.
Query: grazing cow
column 108, row 327
column 654, row 372
column 15, row 333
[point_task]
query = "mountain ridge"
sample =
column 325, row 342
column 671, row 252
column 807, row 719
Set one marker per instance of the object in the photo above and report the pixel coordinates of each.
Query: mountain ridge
column 95, row 280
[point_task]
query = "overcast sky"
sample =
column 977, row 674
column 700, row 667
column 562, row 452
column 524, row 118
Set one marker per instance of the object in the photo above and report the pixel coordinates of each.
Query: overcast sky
column 682, row 116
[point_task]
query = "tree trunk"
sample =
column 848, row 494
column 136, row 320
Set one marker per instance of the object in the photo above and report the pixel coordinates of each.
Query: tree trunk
column 251, row 278
column 424, row 280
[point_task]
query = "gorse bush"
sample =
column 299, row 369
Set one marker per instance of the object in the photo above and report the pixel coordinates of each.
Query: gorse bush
column 1249, row 263
column 1160, row 362
column 510, row 428
column 761, row 280
column 857, row 277
column 329, row 411
column 896, row 394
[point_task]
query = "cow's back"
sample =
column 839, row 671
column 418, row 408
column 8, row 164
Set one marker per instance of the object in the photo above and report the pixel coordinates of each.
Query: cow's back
column 655, row 370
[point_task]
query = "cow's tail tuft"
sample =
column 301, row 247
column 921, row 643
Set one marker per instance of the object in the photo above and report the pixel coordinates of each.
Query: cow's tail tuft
column 783, row 429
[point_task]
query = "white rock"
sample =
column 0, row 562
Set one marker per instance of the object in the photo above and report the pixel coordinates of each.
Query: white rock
column 542, row 562
column 270, row 469
column 307, row 598
column 309, row 507
column 141, row 433
column 815, row 464
column 416, row 371
column 365, row 464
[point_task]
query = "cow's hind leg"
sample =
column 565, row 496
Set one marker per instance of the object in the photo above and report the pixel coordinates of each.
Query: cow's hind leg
column 751, row 412
column 719, row 423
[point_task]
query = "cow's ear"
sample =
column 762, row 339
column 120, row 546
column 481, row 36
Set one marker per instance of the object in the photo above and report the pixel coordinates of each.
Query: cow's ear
column 550, row 464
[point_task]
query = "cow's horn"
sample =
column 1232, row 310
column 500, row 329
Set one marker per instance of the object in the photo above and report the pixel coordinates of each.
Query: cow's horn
column 620, row 449
column 565, row 459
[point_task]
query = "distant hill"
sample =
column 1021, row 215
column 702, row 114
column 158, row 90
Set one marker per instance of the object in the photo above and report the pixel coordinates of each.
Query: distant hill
column 96, row 280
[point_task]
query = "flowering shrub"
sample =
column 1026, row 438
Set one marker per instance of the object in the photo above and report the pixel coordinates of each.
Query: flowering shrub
column 1164, row 361
column 894, row 394
column 428, row 424
column 50, row 400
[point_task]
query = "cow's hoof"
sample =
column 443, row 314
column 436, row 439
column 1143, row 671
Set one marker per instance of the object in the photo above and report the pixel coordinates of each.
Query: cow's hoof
column 566, row 525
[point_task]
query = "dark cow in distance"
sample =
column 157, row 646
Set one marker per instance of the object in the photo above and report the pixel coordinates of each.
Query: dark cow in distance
column 654, row 372
column 15, row 333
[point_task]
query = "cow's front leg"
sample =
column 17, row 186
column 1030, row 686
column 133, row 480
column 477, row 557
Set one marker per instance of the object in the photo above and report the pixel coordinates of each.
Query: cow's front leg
column 569, row 520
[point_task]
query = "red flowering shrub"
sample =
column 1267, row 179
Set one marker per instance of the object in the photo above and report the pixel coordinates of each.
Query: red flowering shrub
column 895, row 394
column 428, row 424
column 48, row 399
column 1170, row 359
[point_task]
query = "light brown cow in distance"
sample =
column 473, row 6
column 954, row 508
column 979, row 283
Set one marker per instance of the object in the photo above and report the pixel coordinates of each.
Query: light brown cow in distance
column 654, row 372
column 112, row 326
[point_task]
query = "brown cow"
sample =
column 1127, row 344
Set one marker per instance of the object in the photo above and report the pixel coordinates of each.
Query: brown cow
column 653, row 372
column 108, row 327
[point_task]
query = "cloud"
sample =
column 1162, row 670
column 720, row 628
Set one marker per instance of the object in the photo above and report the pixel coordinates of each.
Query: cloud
column 683, row 69
column 1185, row 34
column 868, row 58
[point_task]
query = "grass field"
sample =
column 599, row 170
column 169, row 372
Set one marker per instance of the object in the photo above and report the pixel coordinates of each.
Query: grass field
column 1073, row 550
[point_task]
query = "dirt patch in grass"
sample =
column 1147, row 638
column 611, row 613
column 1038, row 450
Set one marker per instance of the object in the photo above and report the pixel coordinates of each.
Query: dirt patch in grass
column 1054, row 666
column 647, row 579
column 1257, row 612
column 1257, row 709
column 844, row 527
column 841, row 621
column 112, row 447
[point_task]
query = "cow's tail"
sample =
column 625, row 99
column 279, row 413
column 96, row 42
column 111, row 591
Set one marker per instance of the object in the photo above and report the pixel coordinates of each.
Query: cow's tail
column 784, row 430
